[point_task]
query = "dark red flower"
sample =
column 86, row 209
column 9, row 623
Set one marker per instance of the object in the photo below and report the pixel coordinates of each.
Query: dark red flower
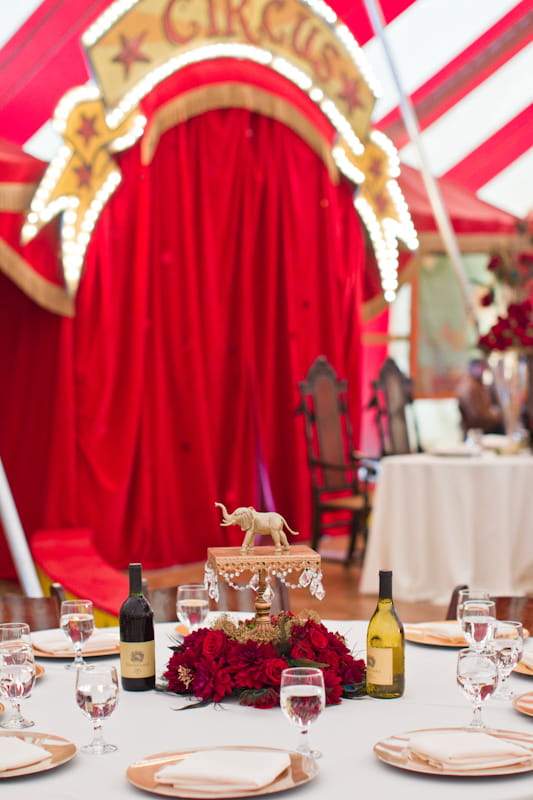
column 272, row 670
column 302, row 650
column 214, row 643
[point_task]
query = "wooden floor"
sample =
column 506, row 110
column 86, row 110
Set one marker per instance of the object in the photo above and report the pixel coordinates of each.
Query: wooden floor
column 342, row 600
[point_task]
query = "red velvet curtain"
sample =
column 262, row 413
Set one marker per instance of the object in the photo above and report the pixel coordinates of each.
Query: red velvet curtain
column 214, row 278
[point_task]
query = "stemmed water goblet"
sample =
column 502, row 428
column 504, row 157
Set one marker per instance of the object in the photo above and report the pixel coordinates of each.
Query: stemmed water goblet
column 192, row 605
column 465, row 595
column 477, row 675
column 302, row 700
column 15, row 632
column 97, row 695
column 77, row 623
column 478, row 621
column 17, row 676
column 508, row 645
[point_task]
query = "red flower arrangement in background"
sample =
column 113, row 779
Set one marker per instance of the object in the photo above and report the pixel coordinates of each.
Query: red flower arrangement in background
column 213, row 663
column 513, row 330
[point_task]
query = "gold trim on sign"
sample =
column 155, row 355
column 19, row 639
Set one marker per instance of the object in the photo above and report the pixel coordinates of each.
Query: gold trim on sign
column 46, row 294
column 234, row 95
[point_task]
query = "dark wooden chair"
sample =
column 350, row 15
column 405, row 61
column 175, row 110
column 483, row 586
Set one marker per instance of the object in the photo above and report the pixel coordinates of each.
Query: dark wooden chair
column 163, row 600
column 340, row 476
column 519, row 607
column 40, row 613
column 392, row 400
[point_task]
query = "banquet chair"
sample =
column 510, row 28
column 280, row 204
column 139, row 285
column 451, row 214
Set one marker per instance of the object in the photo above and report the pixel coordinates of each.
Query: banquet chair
column 393, row 400
column 40, row 613
column 340, row 476
column 519, row 607
column 163, row 600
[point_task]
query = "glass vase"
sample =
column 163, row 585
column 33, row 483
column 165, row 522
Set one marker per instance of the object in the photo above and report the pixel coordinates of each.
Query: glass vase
column 510, row 373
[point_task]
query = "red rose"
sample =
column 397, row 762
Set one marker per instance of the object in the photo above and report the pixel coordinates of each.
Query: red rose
column 272, row 670
column 302, row 650
column 213, row 643
column 318, row 638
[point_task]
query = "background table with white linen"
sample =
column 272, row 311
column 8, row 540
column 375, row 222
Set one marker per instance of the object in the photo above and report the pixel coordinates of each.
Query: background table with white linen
column 146, row 723
column 439, row 521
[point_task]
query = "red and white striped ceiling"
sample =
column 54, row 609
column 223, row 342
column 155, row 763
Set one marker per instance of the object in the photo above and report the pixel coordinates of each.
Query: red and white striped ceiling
column 467, row 66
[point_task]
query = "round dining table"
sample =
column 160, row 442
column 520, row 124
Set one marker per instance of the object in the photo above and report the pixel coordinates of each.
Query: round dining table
column 146, row 723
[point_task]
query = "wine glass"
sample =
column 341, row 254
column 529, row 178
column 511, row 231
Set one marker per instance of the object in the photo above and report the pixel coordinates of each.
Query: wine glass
column 302, row 699
column 192, row 604
column 477, row 675
column 77, row 623
column 508, row 645
column 17, row 676
column 469, row 594
column 478, row 621
column 97, row 695
column 15, row 632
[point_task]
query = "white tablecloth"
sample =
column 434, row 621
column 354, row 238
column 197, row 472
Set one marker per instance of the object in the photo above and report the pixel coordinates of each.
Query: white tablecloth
column 145, row 723
column 440, row 521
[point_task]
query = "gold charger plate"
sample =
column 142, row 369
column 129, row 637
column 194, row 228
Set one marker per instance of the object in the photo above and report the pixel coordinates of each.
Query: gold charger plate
column 393, row 751
column 39, row 671
column 421, row 636
column 61, row 751
column 141, row 774
column 524, row 703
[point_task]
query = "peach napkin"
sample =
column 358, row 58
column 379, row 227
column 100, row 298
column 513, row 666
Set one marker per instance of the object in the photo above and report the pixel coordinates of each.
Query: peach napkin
column 54, row 642
column 214, row 770
column 15, row 753
column 465, row 750
column 445, row 631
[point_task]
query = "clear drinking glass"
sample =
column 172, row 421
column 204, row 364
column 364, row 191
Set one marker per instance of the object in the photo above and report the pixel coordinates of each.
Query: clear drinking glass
column 17, row 676
column 97, row 695
column 508, row 645
column 77, row 623
column 192, row 605
column 15, row 632
column 478, row 622
column 477, row 675
column 469, row 594
column 302, row 700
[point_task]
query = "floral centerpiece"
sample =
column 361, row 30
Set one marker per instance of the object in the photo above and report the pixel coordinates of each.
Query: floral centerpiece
column 227, row 659
column 512, row 330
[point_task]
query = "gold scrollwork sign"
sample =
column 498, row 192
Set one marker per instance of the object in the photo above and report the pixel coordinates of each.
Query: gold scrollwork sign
column 136, row 44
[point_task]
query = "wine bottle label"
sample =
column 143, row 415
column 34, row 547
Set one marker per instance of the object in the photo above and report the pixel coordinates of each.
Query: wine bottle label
column 137, row 659
column 379, row 666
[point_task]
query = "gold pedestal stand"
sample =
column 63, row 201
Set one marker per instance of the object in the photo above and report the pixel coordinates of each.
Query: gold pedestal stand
column 229, row 563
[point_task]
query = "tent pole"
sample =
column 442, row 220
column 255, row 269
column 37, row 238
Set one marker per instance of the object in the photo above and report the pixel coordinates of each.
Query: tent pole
column 17, row 540
column 440, row 212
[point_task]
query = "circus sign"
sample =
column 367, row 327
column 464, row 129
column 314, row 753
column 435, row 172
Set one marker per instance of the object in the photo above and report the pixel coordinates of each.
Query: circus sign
column 137, row 44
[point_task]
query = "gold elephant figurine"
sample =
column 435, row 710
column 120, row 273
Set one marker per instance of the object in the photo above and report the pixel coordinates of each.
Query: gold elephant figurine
column 258, row 522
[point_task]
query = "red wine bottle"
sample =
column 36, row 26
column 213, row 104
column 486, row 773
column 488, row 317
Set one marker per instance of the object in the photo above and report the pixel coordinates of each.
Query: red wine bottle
column 137, row 646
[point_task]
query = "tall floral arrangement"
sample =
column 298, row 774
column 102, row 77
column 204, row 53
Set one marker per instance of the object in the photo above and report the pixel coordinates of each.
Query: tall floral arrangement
column 512, row 270
column 232, row 659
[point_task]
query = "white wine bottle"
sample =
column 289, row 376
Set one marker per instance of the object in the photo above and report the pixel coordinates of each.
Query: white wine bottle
column 137, row 647
column 385, row 670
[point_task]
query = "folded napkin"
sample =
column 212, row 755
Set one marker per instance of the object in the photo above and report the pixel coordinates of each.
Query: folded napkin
column 527, row 658
column 213, row 770
column 15, row 753
column 446, row 631
column 466, row 750
column 54, row 642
